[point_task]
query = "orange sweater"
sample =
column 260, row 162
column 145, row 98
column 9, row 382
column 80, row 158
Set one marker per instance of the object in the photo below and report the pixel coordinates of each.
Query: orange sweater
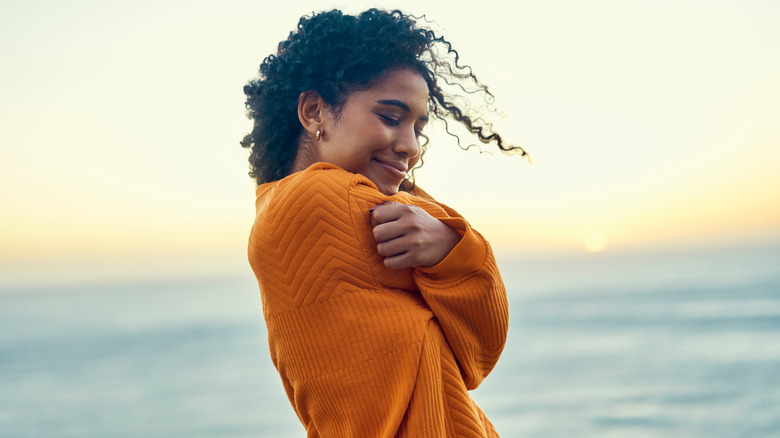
column 363, row 350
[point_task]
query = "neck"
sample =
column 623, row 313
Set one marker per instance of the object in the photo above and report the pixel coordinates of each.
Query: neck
column 304, row 158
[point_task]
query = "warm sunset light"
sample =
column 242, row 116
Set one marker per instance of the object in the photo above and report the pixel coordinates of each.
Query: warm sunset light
column 664, row 138
column 595, row 243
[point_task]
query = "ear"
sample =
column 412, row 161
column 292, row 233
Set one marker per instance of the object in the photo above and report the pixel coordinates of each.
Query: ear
column 311, row 109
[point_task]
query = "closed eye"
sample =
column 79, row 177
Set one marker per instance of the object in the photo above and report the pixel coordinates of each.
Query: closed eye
column 392, row 121
column 389, row 120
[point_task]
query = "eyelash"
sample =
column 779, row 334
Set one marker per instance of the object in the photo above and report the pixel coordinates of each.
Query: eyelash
column 390, row 120
column 393, row 122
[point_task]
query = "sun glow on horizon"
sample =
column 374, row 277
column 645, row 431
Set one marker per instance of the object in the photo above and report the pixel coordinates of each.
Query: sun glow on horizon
column 595, row 242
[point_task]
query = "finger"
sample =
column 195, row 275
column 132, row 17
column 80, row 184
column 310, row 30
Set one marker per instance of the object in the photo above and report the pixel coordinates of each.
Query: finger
column 389, row 230
column 387, row 212
column 392, row 247
column 399, row 261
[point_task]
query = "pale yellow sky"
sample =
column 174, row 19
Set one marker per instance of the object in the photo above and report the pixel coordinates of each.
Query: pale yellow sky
column 650, row 124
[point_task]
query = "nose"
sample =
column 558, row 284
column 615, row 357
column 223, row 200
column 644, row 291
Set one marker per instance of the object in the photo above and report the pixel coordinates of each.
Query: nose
column 408, row 144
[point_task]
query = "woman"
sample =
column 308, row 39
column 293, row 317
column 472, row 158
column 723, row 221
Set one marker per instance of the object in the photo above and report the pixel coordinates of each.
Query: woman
column 383, row 306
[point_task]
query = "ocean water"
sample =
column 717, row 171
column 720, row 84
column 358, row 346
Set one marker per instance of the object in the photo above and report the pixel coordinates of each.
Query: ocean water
column 675, row 344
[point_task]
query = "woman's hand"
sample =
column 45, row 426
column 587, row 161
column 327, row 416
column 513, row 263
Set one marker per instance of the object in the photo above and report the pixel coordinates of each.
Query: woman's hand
column 407, row 236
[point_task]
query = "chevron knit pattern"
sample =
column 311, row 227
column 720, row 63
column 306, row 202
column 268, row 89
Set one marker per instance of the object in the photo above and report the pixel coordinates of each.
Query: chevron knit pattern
column 362, row 350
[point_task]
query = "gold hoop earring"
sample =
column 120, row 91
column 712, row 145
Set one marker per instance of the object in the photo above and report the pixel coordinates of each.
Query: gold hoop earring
column 318, row 135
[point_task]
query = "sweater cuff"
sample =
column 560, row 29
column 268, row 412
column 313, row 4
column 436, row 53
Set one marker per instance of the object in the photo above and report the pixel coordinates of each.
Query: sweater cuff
column 466, row 258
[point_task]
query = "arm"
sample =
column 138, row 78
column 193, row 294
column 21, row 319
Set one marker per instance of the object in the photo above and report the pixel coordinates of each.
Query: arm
column 456, row 274
column 467, row 295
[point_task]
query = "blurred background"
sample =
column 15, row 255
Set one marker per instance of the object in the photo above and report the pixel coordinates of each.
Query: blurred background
column 641, row 249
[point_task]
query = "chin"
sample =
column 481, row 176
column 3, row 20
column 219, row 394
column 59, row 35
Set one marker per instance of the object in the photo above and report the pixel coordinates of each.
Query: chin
column 388, row 190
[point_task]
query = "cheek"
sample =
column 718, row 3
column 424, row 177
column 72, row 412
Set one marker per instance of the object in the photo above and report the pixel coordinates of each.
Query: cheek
column 363, row 137
column 378, row 135
column 368, row 125
column 372, row 128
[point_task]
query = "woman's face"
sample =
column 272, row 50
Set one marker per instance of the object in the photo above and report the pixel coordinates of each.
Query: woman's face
column 378, row 131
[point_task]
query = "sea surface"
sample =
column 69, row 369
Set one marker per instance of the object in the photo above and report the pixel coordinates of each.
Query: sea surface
column 664, row 344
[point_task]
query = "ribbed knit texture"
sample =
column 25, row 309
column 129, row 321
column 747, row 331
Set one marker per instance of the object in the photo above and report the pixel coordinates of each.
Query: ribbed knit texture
column 363, row 350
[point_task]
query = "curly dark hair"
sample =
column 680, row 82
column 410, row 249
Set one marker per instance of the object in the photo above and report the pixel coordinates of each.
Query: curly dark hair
column 336, row 54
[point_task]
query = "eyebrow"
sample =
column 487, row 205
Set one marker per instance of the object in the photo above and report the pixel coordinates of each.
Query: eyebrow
column 400, row 104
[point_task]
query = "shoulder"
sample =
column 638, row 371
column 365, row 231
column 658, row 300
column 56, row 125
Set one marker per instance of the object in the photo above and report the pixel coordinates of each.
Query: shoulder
column 321, row 195
column 317, row 177
column 324, row 185
column 302, row 209
column 320, row 180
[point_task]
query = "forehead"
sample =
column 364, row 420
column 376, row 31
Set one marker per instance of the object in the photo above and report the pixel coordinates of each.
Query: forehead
column 405, row 85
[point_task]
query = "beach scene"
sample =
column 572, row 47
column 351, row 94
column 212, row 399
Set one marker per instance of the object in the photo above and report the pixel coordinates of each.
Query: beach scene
column 639, row 245
column 674, row 344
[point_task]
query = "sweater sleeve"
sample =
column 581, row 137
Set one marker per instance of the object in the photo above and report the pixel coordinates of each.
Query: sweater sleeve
column 467, row 295
column 465, row 290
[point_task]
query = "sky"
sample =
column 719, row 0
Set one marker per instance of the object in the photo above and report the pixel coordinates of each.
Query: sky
column 650, row 124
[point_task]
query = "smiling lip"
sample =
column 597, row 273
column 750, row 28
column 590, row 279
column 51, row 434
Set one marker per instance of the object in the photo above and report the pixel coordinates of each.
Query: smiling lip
column 397, row 169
